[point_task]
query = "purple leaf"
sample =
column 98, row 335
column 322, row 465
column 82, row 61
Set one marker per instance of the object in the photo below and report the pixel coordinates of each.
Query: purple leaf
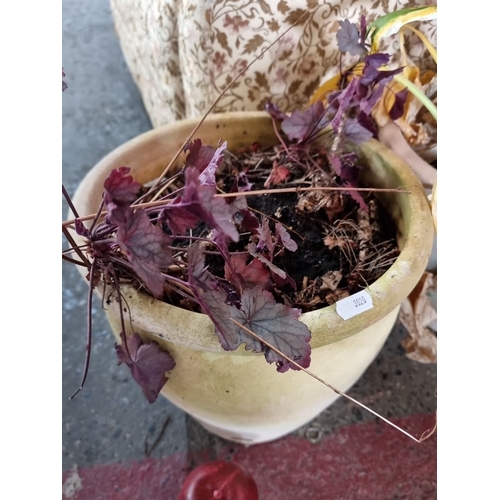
column 243, row 216
column 196, row 204
column 252, row 250
column 348, row 172
column 278, row 325
column 345, row 167
column 372, row 76
column 274, row 111
column 398, row 109
column 212, row 299
column 356, row 133
column 147, row 248
column 64, row 85
column 147, row 362
column 356, row 195
column 348, row 39
column 284, row 238
column 199, row 155
column 366, row 121
column 120, row 187
column 374, row 61
column 253, row 274
column 179, row 219
column 302, row 124
column 344, row 100
column 205, row 159
column 145, row 245
column 80, row 228
column 265, row 237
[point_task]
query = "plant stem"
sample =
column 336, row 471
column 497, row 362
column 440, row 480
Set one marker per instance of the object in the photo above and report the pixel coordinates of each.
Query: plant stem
column 69, row 202
column 210, row 109
column 89, row 329
column 428, row 45
column 431, row 107
column 300, row 190
column 263, row 191
column 427, row 434
column 75, row 247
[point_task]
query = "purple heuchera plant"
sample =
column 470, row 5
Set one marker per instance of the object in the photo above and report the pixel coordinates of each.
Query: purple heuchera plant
column 146, row 241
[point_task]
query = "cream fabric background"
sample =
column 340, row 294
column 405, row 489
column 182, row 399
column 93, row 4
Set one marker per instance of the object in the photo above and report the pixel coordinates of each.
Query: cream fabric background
column 182, row 53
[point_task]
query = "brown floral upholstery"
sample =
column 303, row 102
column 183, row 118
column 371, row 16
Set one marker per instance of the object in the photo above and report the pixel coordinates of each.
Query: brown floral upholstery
column 182, row 53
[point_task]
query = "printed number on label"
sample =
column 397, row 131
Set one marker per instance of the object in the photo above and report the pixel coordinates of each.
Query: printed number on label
column 355, row 304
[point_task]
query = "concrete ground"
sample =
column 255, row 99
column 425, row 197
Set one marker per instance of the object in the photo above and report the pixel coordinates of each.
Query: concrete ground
column 345, row 453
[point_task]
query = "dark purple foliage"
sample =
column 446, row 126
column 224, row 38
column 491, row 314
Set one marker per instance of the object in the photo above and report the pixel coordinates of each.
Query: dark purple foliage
column 274, row 111
column 145, row 245
column 275, row 323
column 120, row 187
column 301, row 125
column 348, row 39
column 196, row 204
column 147, row 362
column 284, row 238
column 356, row 133
column 80, row 228
column 253, row 274
column 205, row 159
column 147, row 248
column 64, row 85
column 212, row 298
column 347, row 168
column 268, row 245
column 398, row 108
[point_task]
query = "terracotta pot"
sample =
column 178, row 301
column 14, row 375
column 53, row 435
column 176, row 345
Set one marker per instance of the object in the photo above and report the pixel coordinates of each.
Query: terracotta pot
column 237, row 395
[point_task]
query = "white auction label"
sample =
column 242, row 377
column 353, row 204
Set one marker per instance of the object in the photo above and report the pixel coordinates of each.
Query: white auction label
column 354, row 304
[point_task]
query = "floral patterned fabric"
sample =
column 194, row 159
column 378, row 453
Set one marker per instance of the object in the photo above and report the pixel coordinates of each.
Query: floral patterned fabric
column 183, row 53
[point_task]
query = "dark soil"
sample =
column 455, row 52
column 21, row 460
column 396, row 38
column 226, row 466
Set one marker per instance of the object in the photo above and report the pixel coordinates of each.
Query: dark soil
column 364, row 257
column 341, row 246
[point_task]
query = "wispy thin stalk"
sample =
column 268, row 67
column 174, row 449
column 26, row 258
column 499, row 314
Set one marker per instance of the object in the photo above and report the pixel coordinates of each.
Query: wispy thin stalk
column 221, row 95
column 264, row 191
column 89, row 330
column 427, row 434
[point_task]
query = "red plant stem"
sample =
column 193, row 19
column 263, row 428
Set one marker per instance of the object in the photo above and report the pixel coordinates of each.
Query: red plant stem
column 89, row 329
column 75, row 247
column 278, row 135
column 98, row 214
column 264, row 191
column 69, row 202
column 243, row 327
column 297, row 190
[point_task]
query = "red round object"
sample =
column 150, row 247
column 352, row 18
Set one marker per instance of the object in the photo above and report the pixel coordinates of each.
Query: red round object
column 219, row 480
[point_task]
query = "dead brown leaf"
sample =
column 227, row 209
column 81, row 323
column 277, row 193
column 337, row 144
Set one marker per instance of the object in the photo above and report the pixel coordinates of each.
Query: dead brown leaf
column 416, row 314
column 331, row 280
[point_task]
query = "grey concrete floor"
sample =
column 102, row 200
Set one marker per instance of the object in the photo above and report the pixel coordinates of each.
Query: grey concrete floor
column 110, row 419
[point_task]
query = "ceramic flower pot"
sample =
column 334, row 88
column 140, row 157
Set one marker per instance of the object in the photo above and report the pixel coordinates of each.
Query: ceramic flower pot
column 237, row 395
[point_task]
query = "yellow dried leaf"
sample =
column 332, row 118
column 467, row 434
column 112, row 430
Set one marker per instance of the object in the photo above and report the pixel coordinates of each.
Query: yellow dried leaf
column 333, row 83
